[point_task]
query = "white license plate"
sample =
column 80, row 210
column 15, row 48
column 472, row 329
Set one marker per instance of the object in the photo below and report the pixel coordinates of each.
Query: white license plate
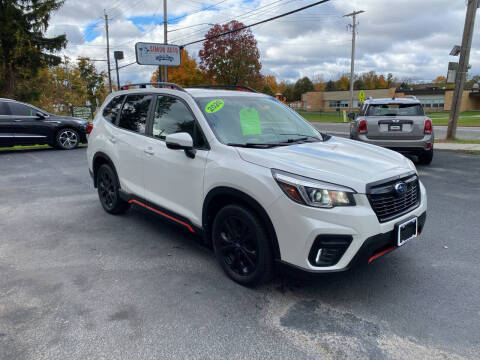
column 407, row 231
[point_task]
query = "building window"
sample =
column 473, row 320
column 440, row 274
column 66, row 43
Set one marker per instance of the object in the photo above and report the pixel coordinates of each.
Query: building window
column 432, row 101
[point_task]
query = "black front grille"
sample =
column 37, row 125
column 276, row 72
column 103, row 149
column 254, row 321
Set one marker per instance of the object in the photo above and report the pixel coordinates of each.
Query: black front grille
column 388, row 203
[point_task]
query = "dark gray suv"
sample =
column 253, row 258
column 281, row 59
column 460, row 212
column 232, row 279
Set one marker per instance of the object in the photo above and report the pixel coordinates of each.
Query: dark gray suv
column 24, row 124
column 399, row 124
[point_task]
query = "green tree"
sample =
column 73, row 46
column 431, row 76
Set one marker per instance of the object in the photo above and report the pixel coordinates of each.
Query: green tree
column 302, row 86
column 24, row 49
column 289, row 93
column 93, row 81
column 267, row 90
column 330, row 86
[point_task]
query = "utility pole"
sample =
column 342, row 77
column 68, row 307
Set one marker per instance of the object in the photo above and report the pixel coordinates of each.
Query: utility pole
column 108, row 52
column 462, row 68
column 165, row 68
column 352, row 61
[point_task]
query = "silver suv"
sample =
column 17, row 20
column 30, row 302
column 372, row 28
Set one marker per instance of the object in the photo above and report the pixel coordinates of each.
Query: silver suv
column 398, row 124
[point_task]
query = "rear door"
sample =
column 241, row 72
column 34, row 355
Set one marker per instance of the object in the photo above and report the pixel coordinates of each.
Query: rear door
column 28, row 127
column 129, row 138
column 6, row 126
column 395, row 121
column 172, row 180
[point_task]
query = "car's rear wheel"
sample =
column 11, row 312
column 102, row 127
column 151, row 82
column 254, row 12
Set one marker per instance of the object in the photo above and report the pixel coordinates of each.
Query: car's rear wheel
column 108, row 191
column 426, row 157
column 241, row 246
column 67, row 139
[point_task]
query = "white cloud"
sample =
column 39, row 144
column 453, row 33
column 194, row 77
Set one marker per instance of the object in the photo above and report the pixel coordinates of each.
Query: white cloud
column 409, row 38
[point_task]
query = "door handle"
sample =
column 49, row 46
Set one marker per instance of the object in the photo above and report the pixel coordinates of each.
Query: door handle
column 112, row 139
column 149, row 151
column 17, row 120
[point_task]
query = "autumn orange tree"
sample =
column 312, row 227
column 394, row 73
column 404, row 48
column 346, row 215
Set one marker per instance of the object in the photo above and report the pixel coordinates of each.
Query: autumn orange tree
column 231, row 59
column 187, row 74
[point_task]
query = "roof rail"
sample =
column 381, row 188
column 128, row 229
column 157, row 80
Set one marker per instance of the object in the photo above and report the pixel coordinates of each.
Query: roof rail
column 159, row 84
column 225, row 87
column 411, row 97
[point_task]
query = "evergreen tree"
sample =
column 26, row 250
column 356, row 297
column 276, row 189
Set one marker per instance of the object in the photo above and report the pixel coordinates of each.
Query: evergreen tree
column 24, row 50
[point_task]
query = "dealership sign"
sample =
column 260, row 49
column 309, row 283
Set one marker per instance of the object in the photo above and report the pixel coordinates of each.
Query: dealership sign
column 157, row 54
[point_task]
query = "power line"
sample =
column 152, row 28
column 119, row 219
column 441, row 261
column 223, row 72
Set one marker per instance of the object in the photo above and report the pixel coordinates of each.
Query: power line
column 257, row 23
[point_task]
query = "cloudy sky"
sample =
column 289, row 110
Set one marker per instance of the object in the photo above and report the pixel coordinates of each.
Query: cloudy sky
column 410, row 38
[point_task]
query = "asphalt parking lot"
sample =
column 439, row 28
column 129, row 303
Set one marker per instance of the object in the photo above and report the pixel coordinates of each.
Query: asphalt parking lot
column 77, row 283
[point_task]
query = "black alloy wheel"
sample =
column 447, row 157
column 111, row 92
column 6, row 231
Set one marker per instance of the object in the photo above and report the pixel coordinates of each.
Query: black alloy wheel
column 107, row 185
column 241, row 246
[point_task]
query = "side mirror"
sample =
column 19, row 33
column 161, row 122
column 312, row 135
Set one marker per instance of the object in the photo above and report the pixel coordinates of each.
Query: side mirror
column 40, row 115
column 351, row 116
column 181, row 141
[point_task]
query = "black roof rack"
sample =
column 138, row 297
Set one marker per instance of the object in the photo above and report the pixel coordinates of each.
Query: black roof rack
column 158, row 84
column 225, row 87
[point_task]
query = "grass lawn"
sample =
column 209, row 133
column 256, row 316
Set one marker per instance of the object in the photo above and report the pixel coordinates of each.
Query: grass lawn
column 323, row 116
column 30, row 147
column 458, row 141
column 467, row 118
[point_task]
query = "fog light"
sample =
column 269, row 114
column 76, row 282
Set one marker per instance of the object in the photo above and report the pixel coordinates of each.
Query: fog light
column 317, row 258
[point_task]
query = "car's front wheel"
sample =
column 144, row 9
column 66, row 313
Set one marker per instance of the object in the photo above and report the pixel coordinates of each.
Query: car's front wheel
column 67, row 139
column 242, row 246
column 108, row 191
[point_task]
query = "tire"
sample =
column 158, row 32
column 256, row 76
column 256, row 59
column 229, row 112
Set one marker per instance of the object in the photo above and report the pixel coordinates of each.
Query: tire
column 108, row 186
column 426, row 157
column 241, row 246
column 67, row 139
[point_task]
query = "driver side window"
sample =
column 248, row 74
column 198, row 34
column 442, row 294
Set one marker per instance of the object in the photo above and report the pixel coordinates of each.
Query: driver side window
column 172, row 116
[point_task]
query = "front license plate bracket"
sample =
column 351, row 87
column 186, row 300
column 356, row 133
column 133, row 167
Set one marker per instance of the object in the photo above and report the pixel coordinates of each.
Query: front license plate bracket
column 407, row 231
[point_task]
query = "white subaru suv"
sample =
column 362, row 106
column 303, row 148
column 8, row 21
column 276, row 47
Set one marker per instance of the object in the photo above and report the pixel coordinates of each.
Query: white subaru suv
column 253, row 179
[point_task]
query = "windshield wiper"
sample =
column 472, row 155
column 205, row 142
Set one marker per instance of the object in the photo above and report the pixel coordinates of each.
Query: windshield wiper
column 302, row 138
column 257, row 145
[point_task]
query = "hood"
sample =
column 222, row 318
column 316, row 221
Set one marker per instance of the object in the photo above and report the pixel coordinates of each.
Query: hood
column 340, row 161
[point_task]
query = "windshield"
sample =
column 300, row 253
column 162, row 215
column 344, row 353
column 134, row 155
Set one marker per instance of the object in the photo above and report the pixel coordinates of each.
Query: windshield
column 255, row 120
column 395, row 110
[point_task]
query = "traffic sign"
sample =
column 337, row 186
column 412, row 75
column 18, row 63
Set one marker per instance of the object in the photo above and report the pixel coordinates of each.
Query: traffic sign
column 361, row 96
column 157, row 54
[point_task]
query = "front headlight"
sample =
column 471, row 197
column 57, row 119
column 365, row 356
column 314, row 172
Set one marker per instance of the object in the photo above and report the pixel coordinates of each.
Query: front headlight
column 312, row 192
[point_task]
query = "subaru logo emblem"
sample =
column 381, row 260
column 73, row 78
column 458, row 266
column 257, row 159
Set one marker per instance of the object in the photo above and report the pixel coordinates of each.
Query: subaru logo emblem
column 400, row 188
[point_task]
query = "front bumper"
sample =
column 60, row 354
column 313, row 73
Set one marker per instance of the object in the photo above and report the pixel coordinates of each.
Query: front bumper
column 297, row 227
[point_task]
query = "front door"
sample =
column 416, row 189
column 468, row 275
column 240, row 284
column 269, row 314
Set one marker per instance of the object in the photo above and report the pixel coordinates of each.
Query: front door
column 174, row 181
column 29, row 128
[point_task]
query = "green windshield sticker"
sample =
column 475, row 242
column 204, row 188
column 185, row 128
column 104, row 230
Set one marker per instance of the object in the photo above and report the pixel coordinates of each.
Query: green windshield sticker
column 250, row 121
column 214, row 106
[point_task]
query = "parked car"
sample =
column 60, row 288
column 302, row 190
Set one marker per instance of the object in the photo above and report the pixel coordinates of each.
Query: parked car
column 254, row 179
column 399, row 124
column 24, row 124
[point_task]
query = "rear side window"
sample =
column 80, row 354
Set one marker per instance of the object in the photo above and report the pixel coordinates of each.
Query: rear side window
column 134, row 113
column 111, row 111
column 21, row 109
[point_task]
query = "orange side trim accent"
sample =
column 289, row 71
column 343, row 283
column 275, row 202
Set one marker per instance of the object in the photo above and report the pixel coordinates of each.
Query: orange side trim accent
column 162, row 213
column 381, row 253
